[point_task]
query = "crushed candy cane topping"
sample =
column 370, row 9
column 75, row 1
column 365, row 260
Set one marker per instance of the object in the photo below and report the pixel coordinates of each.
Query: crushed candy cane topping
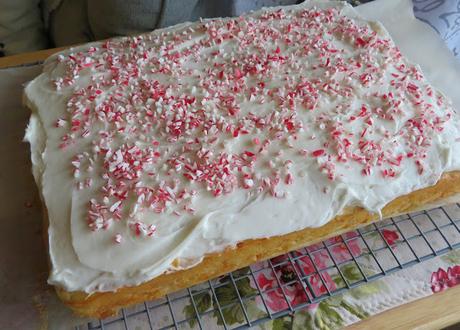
column 231, row 104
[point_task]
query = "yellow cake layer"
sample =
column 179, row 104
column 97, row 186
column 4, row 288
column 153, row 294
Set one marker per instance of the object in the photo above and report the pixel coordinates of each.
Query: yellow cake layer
column 104, row 304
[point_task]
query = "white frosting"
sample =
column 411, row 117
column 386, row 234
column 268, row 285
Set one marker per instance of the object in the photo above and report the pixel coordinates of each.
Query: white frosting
column 90, row 261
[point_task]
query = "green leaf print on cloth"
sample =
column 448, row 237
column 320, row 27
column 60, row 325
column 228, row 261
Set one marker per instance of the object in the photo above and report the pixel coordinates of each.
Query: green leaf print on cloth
column 452, row 258
column 202, row 303
column 228, row 300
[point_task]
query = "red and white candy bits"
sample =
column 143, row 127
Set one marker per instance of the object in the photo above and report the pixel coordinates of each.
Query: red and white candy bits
column 157, row 120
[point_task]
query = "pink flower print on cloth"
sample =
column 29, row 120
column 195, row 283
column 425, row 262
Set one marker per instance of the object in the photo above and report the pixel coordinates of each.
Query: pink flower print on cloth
column 441, row 279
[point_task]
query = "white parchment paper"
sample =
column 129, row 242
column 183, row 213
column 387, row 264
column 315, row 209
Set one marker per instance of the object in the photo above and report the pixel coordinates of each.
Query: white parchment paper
column 419, row 42
column 26, row 302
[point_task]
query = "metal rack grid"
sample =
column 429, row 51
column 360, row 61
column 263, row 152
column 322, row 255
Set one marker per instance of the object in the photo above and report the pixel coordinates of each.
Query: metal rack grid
column 419, row 236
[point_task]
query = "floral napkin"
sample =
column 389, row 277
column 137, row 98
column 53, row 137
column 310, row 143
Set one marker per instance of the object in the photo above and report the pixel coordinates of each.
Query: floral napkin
column 271, row 287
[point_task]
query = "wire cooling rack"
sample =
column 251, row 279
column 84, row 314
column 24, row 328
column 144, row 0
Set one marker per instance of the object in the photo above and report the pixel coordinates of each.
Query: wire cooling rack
column 367, row 254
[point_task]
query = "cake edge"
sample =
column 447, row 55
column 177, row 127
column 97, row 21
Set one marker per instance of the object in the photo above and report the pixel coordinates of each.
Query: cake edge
column 104, row 304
